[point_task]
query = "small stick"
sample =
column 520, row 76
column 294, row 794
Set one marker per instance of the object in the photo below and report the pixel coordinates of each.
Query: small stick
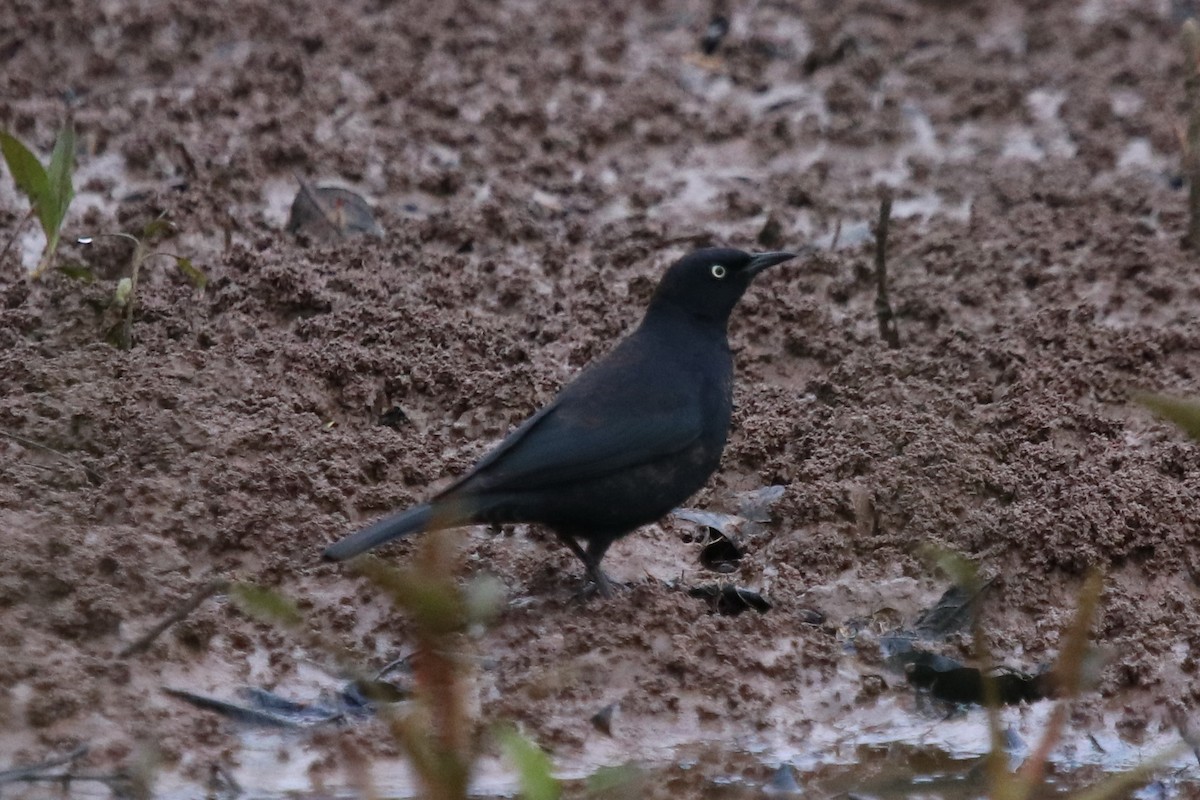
column 17, row 232
column 33, row 770
column 125, row 333
column 1069, row 675
column 391, row 665
column 1191, row 149
column 883, row 307
column 190, row 605
column 91, row 473
column 227, row 784
column 117, row 782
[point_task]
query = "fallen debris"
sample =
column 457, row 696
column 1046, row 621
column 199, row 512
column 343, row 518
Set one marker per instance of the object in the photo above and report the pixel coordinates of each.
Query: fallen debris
column 328, row 212
column 144, row 641
column 730, row 600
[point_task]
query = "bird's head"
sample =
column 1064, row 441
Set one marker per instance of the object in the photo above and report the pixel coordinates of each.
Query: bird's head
column 708, row 283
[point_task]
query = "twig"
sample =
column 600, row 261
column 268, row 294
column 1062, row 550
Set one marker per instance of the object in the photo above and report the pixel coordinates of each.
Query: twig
column 31, row 772
column 1069, row 677
column 17, row 232
column 405, row 660
column 190, row 605
column 91, row 473
column 1191, row 152
column 883, row 306
column 995, row 764
column 125, row 333
column 221, row 781
column 119, row 783
column 249, row 716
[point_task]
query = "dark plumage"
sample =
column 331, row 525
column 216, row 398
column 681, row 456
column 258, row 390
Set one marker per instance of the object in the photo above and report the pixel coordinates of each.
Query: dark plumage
column 633, row 436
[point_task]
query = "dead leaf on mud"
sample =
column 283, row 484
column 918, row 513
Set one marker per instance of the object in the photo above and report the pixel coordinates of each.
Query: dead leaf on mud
column 783, row 783
column 951, row 613
column 946, row 678
column 730, row 600
column 720, row 552
column 263, row 709
column 393, row 418
column 755, row 505
column 602, row 719
column 723, row 523
column 752, row 510
column 329, row 212
column 954, row 682
column 811, row 616
column 258, row 718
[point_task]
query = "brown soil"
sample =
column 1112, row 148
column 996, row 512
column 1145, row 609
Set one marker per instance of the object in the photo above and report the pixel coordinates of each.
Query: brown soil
column 535, row 166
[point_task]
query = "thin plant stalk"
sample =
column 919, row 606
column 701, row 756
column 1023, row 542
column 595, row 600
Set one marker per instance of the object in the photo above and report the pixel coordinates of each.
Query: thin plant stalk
column 1068, row 673
column 17, row 232
column 1191, row 143
column 883, row 304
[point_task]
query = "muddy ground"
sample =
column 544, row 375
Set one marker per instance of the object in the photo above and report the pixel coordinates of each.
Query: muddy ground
column 534, row 167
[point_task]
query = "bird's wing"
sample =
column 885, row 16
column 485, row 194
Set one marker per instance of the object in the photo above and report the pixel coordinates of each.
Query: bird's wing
column 571, row 441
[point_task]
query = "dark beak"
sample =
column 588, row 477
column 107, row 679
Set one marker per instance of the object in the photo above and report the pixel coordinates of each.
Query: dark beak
column 763, row 260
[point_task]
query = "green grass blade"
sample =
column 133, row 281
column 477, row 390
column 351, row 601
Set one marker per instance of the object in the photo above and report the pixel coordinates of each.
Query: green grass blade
column 77, row 272
column 160, row 226
column 27, row 172
column 48, row 254
column 1184, row 413
column 616, row 782
column 193, row 273
column 534, row 769
column 265, row 604
column 61, row 189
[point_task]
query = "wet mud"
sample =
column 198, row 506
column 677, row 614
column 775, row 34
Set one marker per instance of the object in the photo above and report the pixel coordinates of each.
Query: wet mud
column 533, row 167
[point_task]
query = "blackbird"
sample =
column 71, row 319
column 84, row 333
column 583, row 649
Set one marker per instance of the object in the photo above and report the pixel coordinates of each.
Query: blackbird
column 629, row 439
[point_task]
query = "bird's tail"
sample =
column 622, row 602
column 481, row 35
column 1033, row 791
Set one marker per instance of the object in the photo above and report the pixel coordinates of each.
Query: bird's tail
column 406, row 523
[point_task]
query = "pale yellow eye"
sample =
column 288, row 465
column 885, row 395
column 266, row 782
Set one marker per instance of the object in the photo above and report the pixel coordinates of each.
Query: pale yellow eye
column 717, row 271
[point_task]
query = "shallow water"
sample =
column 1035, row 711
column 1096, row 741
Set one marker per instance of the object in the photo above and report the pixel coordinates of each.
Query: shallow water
column 902, row 744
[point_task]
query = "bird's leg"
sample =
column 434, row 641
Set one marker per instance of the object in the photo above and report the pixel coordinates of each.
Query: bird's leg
column 591, row 560
column 601, row 582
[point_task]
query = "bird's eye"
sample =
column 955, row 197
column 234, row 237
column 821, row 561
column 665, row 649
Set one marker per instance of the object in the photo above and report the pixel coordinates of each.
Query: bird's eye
column 717, row 271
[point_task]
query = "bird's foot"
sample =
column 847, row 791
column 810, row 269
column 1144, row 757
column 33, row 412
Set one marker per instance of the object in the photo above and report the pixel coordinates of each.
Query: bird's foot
column 599, row 584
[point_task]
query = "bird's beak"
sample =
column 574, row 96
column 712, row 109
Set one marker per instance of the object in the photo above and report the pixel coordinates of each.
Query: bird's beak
column 763, row 260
